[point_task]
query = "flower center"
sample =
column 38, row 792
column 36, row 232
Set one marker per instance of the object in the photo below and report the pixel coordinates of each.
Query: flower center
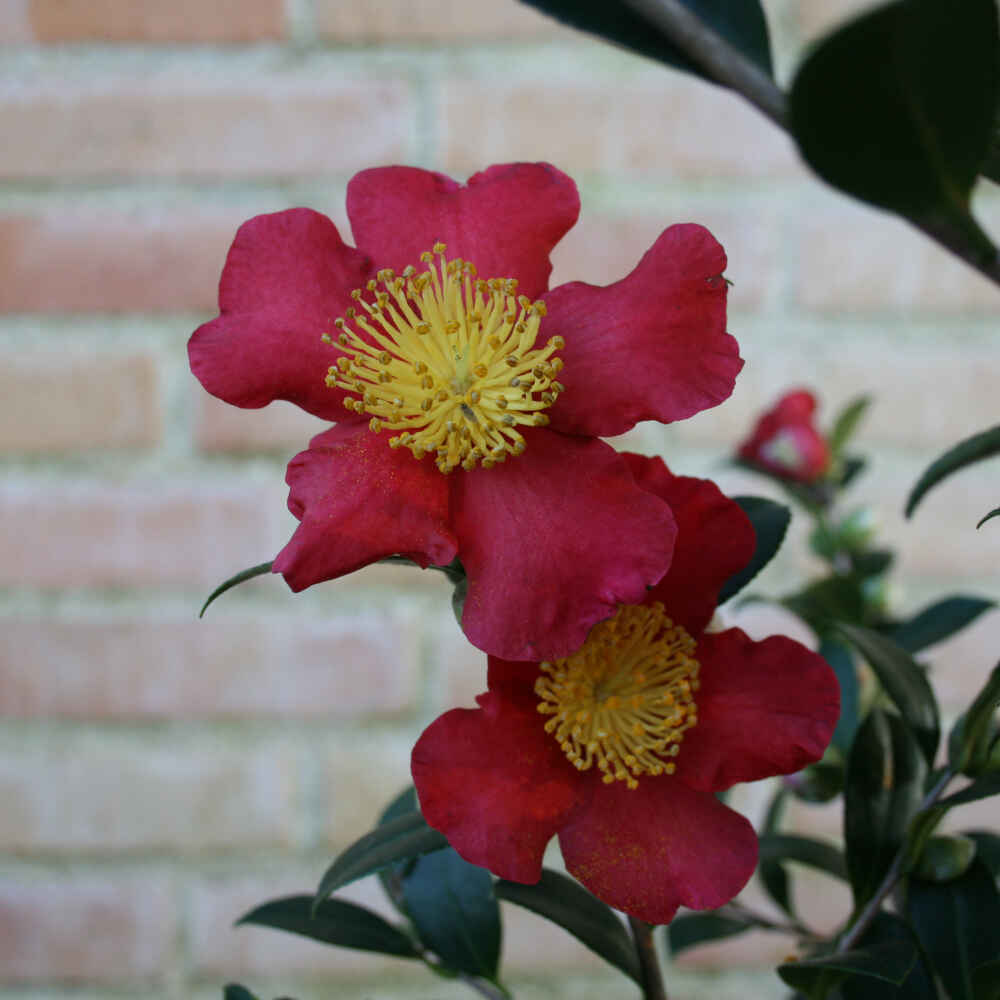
column 625, row 699
column 449, row 359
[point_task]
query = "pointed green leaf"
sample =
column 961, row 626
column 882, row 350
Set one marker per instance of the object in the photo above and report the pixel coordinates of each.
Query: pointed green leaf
column 455, row 912
column 993, row 513
column 842, row 663
column 969, row 743
column 690, row 929
column 903, row 680
column 233, row 991
column 981, row 788
column 890, row 962
column 987, row 849
column 837, row 598
column 986, row 980
column 391, row 876
column 335, row 922
column 233, row 581
column 985, row 444
column 887, row 928
column 846, row 423
column 567, row 904
column 404, row 837
column 743, row 25
column 938, row 621
column 772, row 873
column 945, row 857
column 770, row 522
column 814, row 853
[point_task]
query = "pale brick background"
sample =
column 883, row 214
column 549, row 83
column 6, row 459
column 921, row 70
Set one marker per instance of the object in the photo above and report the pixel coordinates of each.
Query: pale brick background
column 160, row 775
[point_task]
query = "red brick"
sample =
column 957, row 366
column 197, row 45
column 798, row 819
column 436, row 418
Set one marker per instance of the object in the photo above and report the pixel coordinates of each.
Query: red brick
column 56, row 402
column 85, row 929
column 153, row 21
column 95, row 535
column 281, row 427
column 363, row 665
column 78, row 793
column 191, row 125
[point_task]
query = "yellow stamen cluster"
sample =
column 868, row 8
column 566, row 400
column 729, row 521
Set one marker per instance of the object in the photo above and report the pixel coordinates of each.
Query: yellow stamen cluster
column 447, row 358
column 625, row 699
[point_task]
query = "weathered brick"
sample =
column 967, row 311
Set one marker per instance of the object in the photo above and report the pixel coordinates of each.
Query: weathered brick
column 151, row 21
column 441, row 21
column 85, row 929
column 362, row 665
column 79, row 535
column 52, row 403
column 77, row 793
column 281, row 426
column 192, row 125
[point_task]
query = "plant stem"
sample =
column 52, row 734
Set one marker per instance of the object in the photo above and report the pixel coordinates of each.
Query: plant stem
column 788, row 927
column 652, row 977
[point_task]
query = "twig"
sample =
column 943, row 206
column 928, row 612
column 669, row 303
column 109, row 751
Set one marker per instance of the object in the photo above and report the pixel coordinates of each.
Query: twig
column 649, row 964
column 788, row 927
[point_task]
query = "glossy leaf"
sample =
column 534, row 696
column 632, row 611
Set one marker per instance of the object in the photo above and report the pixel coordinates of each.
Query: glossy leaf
column 945, row 857
column 897, row 108
column 825, row 603
column 455, row 912
column 233, row 991
column 404, row 837
column 979, row 446
column 690, row 929
column 958, row 925
column 981, row 788
column 903, row 680
column 233, row 581
column 938, row 621
column 772, row 873
column 889, row 962
column 819, row 782
column 846, row 423
column 919, row 982
column 566, row 903
column 743, row 25
column 884, row 788
column 987, row 849
column 807, row 851
column 391, row 875
column 842, row 663
column 969, row 742
column 988, row 517
column 770, row 522
column 334, row 921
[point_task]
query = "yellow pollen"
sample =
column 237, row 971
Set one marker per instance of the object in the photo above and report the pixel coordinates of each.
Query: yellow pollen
column 624, row 700
column 448, row 359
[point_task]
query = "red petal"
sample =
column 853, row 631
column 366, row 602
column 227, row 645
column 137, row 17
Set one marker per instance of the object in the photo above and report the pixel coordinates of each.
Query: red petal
column 763, row 708
column 287, row 277
column 360, row 500
column 495, row 784
column 652, row 346
column 506, row 220
column 553, row 541
column 715, row 539
column 662, row 845
column 785, row 441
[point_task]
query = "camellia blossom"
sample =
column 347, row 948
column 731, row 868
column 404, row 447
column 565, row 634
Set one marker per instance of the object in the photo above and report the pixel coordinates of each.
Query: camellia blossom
column 785, row 440
column 620, row 747
column 468, row 399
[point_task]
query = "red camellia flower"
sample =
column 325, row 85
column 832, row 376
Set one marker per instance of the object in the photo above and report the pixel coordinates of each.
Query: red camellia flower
column 785, row 441
column 469, row 400
column 619, row 748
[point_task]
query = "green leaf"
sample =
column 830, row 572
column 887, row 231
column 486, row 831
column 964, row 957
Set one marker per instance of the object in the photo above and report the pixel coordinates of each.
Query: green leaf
column 918, row 984
column 837, row 598
column 981, row 788
column 805, row 850
column 969, row 744
column 897, row 108
column 404, row 837
column 958, row 925
column 391, row 875
column 773, row 874
column 566, row 903
column 993, row 513
column 690, row 929
column 986, row 980
column 884, row 787
column 889, row 962
column 743, row 25
column 846, row 423
column 842, row 663
column 770, row 522
column 455, row 912
column 242, row 577
column 903, row 680
column 987, row 848
column 945, row 857
column 233, row 991
column 333, row 921
column 938, row 621
column 985, row 444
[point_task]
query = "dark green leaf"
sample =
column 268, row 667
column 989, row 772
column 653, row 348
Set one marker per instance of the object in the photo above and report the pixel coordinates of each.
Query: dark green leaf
column 838, row 598
column 566, row 903
column 904, row 682
column 458, row 596
column 897, row 109
column 970, row 742
column 981, row 788
column 987, row 849
column 973, row 449
column 770, row 522
column 242, row 577
column 842, row 662
column 986, row 980
column 233, row 991
column 805, row 850
column 334, row 922
column 690, row 929
column 945, row 857
column 889, row 962
column 404, row 837
column 391, row 876
column 455, row 912
column 885, row 776
column 742, row 25
column 938, row 621
column 872, row 562
column 772, row 873
column 958, row 925
column 850, row 469
column 993, row 513
column 846, row 423
column 919, row 983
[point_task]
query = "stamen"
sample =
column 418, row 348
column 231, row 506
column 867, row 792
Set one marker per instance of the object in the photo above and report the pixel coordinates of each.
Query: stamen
column 625, row 699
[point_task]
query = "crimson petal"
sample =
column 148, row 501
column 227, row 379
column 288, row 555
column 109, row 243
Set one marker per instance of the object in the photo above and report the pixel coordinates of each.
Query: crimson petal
column 552, row 542
column 648, row 850
column 652, row 346
column 506, row 219
column 764, row 708
column 358, row 501
column 495, row 784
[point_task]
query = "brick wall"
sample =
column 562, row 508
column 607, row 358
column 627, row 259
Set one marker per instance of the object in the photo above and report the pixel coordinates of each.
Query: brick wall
column 159, row 775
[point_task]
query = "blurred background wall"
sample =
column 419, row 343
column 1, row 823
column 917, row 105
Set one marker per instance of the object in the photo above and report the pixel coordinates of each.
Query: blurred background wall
column 158, row 774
